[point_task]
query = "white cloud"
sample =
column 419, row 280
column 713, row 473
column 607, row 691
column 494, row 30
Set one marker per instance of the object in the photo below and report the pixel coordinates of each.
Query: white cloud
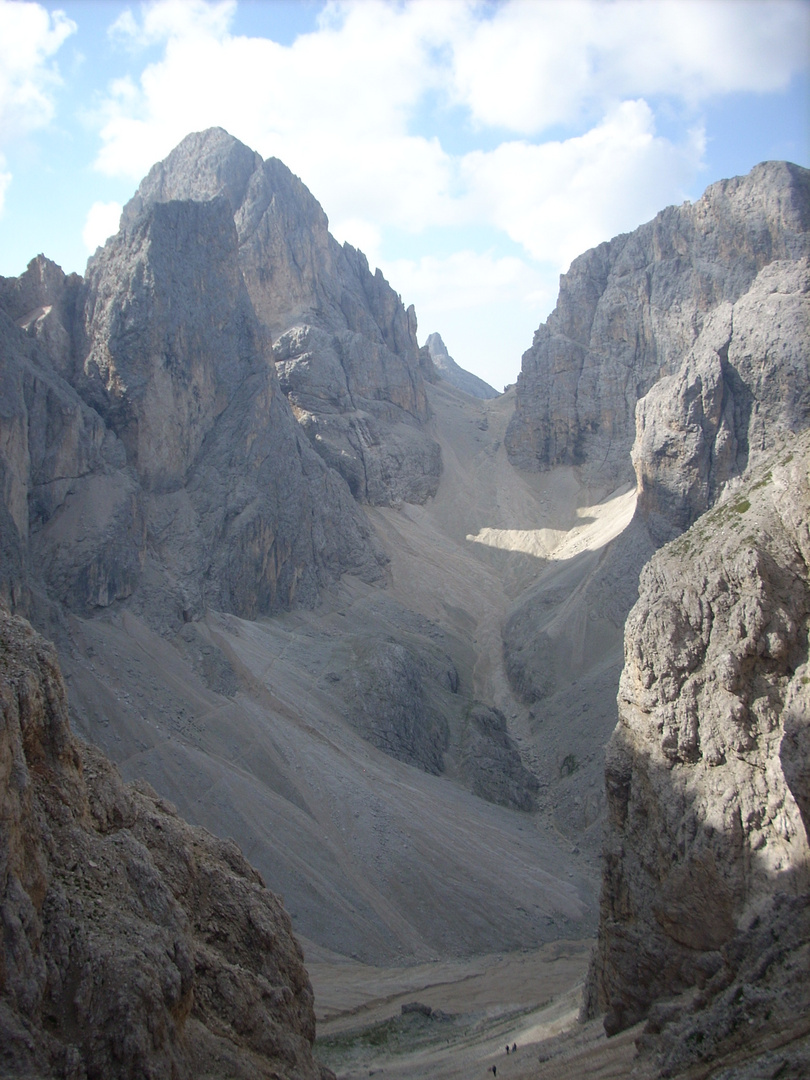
column 342, row 106
column 557, row 199
column 532, row 65
column 360, row 233
column 465, row 279
column 101, row 222
column 5, row 180
column 353, row 83
column 172, row 19
column 348, row 108
column 29, row 37
column 485, row 306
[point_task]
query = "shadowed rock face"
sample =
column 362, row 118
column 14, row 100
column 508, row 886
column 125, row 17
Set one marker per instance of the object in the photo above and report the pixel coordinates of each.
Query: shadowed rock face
column 345, row 346
column 133, row 945
column 705, row 774
column 59, row 461
column 631, row 309
column 154, row 455
column 390, row 701
column 491, row 763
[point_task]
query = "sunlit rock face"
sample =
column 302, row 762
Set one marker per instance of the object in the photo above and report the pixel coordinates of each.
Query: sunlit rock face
column 742, row 388
column 705, row 775
column 630, row 310
column 344, row 345
column 133, row 945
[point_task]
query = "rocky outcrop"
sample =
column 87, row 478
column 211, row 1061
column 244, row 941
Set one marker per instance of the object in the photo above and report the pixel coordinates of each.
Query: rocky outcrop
column 706, row 773
column 451, row 372
column 133, row 945
column 490, row 762
column 59, row 460
column 630, row 310
column 344, row 345
column 403, row 693
column 393, row 700
column 751, row 1018
column 42, row 301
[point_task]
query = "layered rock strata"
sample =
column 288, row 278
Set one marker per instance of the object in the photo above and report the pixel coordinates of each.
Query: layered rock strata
column 344, row 345
column 631, row 309
column 706, row 772
column 134, row 945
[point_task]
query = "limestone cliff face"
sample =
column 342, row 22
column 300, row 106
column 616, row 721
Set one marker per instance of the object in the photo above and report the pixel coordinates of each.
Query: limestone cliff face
column 133, row 945
column 241, row 511
column 707, row 772
column 150, row 451
column 344, row 345
column 740, row 390
column 631, row 309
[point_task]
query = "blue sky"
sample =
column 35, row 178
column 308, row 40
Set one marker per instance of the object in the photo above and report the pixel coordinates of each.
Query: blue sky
column 470, row 149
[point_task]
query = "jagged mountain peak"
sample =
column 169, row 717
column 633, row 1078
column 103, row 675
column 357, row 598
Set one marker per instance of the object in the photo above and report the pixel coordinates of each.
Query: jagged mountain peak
column 344, row 345
column 456, row 375
column 205, row 164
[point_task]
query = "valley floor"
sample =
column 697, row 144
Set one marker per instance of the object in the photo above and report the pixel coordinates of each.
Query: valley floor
column 527, row 999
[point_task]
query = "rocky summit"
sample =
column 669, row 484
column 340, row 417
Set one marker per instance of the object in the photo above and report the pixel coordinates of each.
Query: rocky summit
column 344, row 346
column 450, row 371
column 474, row 681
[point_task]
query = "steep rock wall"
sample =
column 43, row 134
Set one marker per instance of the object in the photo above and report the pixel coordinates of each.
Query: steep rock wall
column 705, row 776
column 741, row 390
column 133, row 945
column 59, row 459
column 156, row 456
column 630, row 310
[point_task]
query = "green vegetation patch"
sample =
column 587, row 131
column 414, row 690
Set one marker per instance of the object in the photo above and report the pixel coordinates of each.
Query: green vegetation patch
column 766, row 479
column 569, row 765
column 399, row 1035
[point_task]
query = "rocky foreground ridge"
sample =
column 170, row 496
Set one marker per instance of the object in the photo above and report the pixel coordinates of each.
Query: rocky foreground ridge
column 706, row 879
column 133, row 944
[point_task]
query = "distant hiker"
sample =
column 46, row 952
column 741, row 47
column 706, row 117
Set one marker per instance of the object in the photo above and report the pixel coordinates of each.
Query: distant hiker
column 514, row 1047
column 507, row 1048
column 494, row 1070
